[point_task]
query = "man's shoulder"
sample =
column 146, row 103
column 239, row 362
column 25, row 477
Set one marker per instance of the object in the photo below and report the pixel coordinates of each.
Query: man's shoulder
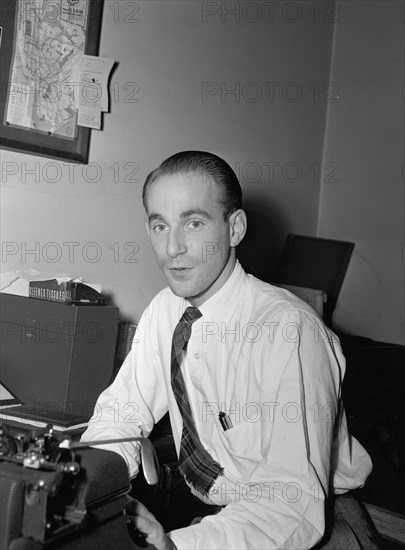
column 267, row 304
column 269, row 299
column 164, row 300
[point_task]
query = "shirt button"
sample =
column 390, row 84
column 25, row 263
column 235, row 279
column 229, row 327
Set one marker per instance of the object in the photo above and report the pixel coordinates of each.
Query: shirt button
column 196, row 356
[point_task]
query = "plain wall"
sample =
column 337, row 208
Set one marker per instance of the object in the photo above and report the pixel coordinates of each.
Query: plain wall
column 365, row 139
column 248, row 86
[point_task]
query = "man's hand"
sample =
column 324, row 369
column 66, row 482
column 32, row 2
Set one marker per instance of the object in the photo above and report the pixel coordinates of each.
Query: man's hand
column 149, row 525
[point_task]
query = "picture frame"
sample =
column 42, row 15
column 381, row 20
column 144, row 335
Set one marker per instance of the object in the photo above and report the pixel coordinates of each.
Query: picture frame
column 73, row 147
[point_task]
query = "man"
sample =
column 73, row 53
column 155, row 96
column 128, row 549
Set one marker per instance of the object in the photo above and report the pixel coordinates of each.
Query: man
column 254, row 397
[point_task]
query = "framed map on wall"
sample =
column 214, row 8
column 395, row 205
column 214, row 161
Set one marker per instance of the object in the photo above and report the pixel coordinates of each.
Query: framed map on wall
column 42, row 42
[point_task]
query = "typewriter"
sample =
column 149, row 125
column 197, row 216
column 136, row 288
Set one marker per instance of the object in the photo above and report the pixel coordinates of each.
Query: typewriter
column 57, row 493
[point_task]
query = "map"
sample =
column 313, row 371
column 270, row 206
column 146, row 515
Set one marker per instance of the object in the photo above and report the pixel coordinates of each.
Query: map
column 49, row 42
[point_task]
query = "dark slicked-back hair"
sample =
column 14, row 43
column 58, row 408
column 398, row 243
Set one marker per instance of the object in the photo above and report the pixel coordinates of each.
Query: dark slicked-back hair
column 211, row 167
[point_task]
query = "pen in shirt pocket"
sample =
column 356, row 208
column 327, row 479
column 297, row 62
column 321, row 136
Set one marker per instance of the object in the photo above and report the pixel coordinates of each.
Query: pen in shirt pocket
column 226, row 422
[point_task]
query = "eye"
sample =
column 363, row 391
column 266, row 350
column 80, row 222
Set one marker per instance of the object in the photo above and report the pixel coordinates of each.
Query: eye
column 159, row 227
column 195, row 224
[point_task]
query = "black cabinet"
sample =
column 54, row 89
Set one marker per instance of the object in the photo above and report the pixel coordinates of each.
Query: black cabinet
column 55, row 354
column 374, row 399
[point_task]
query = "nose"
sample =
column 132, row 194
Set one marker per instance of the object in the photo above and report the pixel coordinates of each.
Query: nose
column 175, row 244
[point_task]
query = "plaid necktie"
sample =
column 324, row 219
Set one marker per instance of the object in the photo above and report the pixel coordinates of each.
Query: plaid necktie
column 195, row 463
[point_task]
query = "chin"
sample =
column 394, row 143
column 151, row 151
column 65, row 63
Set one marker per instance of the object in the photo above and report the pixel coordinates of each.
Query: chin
column 179, row 291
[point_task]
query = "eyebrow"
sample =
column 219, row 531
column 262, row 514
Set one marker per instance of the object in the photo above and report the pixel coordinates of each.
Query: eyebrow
column 192, row 212
column 153, row 217
column 198, row 211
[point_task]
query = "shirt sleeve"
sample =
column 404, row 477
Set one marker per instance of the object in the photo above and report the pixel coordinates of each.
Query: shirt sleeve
column 282, row 503
column 136, row 399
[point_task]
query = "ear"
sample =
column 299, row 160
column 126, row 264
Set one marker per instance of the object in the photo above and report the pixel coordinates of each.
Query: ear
column 237, row 226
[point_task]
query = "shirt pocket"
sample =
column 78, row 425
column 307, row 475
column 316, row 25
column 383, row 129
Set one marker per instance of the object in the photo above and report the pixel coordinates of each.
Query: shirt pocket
column 242, row 443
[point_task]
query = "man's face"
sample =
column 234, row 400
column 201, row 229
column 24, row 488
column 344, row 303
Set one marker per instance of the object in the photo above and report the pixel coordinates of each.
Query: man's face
column 189, row 235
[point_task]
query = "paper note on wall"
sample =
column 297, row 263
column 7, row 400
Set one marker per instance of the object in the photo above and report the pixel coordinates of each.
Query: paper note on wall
column 93, row 92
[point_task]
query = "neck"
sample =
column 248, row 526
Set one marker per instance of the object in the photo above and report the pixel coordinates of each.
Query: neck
column 219, row 282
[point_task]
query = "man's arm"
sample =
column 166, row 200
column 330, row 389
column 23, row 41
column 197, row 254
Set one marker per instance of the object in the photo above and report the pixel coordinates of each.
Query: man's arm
column 135, row 400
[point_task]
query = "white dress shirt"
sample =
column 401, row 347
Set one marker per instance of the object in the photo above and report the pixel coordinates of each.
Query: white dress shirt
column 263, row 357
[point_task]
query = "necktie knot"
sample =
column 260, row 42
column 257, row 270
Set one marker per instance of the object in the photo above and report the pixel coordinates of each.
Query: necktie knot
column 190, row 315
column 182, row 332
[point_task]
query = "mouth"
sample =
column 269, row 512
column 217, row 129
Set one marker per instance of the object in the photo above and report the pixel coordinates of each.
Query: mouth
column 179, row 271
